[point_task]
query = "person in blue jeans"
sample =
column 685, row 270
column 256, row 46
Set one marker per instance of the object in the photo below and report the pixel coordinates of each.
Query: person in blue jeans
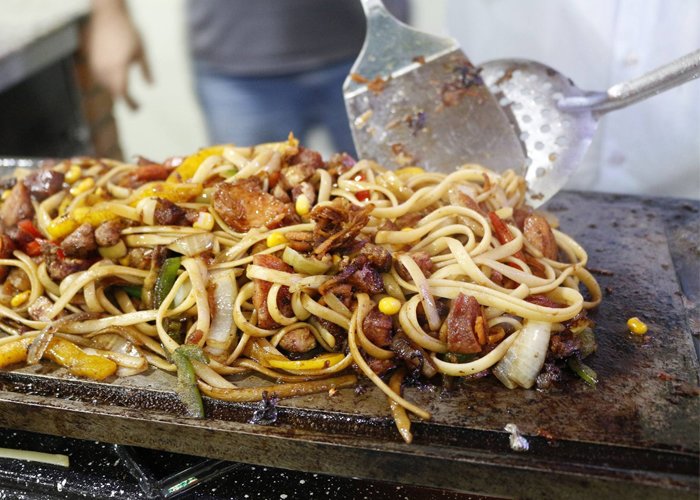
column 262, row 68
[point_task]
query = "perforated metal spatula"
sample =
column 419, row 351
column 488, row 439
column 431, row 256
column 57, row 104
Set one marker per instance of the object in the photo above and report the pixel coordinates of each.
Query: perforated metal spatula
column 556, row 120
column 415, row 99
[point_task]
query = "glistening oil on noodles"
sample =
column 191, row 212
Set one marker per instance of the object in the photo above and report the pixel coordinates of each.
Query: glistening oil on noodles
column 309, row 273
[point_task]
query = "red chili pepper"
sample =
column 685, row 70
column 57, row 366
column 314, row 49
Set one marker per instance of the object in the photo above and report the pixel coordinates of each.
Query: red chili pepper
column 362, row 195
column 28, row 227
column 33, row 248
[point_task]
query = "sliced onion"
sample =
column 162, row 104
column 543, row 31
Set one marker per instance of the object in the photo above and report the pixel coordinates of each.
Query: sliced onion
column 303, row 264
column 114, row 252
column 525, row 358
column 194, row 244
column 223, row 328
column 426, row 298
column 38, row 346
column 120, row 350
column 147, row 209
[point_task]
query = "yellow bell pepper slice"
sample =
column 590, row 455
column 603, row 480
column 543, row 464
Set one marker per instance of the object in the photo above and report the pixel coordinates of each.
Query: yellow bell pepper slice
column 175, row 192
column 14, row 352
column 189, row 166
column 92, row 215
column 81, row 364
column 61, row 226
column 318, row 363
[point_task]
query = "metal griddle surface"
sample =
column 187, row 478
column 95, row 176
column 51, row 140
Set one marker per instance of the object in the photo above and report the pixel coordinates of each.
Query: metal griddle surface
column 637, row 432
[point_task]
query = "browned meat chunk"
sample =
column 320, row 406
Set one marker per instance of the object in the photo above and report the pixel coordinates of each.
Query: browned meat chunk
column 243, row 205
column 338, row 224
column 461, row 199
column 413, row 356
column 307, row 157
column 140, row 258
column 378, row 328
column 299, row 340
column 424, row 261
column 80, row 243
column 338, row 333
column 359, row 273
column 168, row 213
column 262, row 288
column 378, row 256
column 18, row 206
column 340, row 163
column 6, row 249
column 301, row 241
column 343, row 292
column 44, row 183
column 461, row 321
column 109, row 233
column 565, row 344
column 59, row 266
column 538, row 233
column 380, row 366
column 40, row 308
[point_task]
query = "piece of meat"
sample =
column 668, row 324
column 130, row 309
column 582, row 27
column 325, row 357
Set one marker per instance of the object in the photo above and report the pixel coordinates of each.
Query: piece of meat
column 409, row 220
column 262, row 288
column 109, row 233
column 380, row 366
column 16, row 281
column 378, row 328
column 359, row 273
column 564, row 344
column 293, row 176
column 301, row 241
column 543, row 300
column 60, row 266
column 7, row 246
column 140, row 258
column 336, row 331
column 18, row 206
column 340, row 163
column 44, row 183
column 298, row 340
column 461, row 320
column 378, row 256
column 243, row 205
column 538, row 233
column 308, row 158
column 80, row 243
column 338, row 223
column 305, row 188
column 413, row 356
column 279, row 193
column 343, row 292
column 40, row 308
column 459, row 198
column 424, row 261
column 168, row 213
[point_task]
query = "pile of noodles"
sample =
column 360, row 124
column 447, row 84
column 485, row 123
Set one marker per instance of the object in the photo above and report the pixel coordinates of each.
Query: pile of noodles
column 460, row 241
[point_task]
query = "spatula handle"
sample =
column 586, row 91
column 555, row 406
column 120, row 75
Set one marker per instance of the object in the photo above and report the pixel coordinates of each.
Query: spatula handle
column 623, row 94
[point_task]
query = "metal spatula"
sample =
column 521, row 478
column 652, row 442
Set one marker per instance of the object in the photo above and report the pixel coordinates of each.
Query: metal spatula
column 556, row 120
column 415, row 99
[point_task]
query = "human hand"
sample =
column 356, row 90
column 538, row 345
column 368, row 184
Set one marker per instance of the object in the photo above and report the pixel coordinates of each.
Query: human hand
column 113, row 46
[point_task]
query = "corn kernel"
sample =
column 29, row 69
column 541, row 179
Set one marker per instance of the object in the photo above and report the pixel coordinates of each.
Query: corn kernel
column 19, row 299
column 205, row 221
column 637, row 326
column 408, row 171
column 74, row 173
column 389, row 306
column 275, row 239
column 336, row 258
column 83, row 186
column 302, row 205
column 6, row 194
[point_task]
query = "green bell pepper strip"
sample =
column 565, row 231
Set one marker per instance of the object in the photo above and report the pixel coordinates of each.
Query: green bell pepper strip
column 187, row 379
column 583, row 370
column 166, row 278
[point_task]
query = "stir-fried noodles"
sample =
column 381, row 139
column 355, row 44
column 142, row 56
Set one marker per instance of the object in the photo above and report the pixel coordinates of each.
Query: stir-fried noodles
column 269, row 260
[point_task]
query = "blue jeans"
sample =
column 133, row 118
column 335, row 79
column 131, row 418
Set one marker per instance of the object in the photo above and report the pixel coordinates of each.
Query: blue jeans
column 252, row 110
